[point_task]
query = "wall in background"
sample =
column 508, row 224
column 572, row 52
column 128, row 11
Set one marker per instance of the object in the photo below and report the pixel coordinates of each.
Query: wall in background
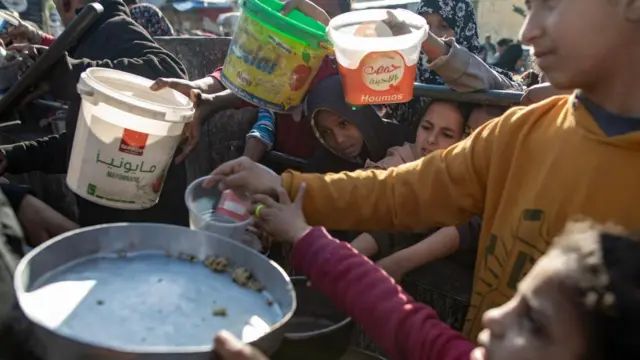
column 497, row 18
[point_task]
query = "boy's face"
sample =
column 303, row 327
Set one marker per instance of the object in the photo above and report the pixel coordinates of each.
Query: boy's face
column 540, row 322
column 440, row 127
column 575, row 41
column 338, row 134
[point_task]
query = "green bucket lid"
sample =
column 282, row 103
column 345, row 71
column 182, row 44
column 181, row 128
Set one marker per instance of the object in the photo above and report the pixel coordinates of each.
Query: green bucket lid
column 296, row 24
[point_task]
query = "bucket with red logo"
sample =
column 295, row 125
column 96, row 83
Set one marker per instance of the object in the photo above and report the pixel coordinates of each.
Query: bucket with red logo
column 376, row 57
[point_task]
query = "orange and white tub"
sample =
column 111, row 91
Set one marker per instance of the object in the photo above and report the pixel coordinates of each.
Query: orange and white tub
column 377, row 69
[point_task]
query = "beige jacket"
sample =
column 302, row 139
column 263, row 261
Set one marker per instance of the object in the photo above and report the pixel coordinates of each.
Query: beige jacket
column 464, row 72
column 396, row 156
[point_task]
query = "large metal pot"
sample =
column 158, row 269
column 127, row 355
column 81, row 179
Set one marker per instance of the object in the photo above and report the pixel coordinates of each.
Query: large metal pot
column 168, row 300
column 317, row 330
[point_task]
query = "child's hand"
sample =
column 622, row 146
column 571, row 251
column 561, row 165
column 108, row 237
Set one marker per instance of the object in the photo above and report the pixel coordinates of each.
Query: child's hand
column 180, row 85
column 397, row 26
column 284, row 221
column 205, row 105
column 308, row 8
column 541, row 92
column 228, row 347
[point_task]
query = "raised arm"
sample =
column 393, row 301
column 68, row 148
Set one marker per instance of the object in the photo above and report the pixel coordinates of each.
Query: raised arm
column 443, row 188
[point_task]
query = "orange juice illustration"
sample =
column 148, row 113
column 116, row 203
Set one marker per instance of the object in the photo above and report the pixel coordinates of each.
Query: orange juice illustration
column 376, row 69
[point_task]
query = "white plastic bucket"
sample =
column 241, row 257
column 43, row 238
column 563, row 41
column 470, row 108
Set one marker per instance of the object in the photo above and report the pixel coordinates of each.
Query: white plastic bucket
column 125, row 139
column 377, row 70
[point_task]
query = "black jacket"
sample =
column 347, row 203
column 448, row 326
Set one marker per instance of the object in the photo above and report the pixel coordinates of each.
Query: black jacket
column 117, row 42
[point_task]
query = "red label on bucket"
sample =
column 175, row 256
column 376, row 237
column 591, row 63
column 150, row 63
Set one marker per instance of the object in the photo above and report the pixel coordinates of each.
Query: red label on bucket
column 133, row 142
column 231, row 206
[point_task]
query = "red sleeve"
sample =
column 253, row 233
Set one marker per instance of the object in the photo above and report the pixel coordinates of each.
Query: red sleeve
column 217, row 74
column 47, row 40
column 403, row 328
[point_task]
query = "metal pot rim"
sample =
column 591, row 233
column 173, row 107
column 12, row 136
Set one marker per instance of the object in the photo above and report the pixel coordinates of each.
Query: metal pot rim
column 20, row 291
column 309, row 334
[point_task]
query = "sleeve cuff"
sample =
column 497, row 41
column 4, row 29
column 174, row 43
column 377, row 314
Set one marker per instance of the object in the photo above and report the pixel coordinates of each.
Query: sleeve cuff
column 47, row 40
column 256, row 135
column 217, row 74
column 453, row 65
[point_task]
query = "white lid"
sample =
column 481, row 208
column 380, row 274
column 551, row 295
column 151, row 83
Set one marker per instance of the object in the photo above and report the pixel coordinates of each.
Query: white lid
column 131, row 93
column 359, row 43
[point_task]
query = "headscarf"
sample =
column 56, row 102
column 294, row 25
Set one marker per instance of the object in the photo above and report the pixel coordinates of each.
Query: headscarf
column 151, row 19
column 460, row 15
column 379, row 135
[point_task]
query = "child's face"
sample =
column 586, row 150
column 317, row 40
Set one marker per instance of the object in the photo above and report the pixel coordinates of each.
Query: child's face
column 540, row 322
column 339, row 134
column 440, row 127
column 574, row 40
column 438, row 26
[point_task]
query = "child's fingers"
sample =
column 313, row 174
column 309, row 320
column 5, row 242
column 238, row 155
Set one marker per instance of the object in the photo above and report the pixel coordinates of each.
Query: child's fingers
column 231, row 348
column 265, row 200
column 308, row 8
column 283, row 197
column 300, row 196
column 289, row 6
column 159, row 84
column 391, row 17
column 195, row 97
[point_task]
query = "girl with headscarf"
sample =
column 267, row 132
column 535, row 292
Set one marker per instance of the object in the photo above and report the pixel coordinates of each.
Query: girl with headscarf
column 449, row 57
column 349, row 136
column 151, row 19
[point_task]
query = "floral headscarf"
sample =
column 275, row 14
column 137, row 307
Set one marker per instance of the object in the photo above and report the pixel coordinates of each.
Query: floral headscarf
column 151, row 19
column 460, row 15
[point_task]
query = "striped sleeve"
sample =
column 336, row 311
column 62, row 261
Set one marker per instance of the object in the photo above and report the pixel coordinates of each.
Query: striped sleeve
column 265, row 128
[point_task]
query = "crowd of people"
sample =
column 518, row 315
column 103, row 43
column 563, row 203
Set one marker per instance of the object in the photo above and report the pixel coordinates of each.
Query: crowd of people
column 537, row 203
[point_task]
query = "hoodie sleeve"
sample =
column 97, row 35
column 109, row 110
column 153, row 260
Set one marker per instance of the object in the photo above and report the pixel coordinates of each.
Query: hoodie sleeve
column 137, row 54
column 48, row 155
column 444, row 188
column 403, row 328
column 394, row 158
column 462, row 71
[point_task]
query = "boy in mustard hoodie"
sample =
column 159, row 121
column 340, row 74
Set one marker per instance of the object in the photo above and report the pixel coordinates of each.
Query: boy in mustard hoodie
column 526, row 173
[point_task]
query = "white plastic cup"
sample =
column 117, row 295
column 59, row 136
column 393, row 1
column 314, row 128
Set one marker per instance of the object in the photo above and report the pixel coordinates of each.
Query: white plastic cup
column 202, row 203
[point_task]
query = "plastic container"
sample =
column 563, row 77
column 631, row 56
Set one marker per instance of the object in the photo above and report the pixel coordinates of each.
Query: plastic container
column 125, row 139
column 203, row 204
column 272, row 58
column 377, row 70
